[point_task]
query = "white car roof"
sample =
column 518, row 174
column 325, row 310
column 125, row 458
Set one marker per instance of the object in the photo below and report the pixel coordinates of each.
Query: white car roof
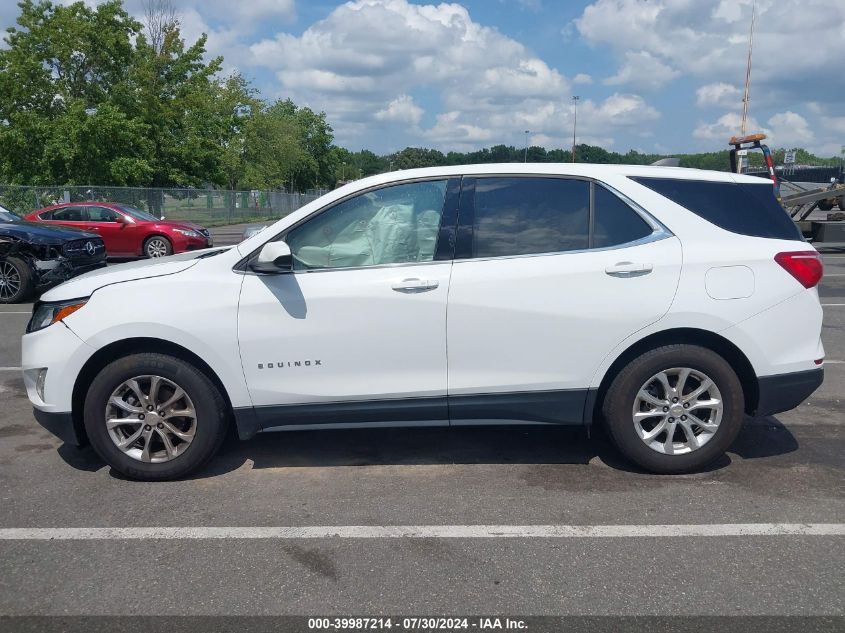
column 559, row 169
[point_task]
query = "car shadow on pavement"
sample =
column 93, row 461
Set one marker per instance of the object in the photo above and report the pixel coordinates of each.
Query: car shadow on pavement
column 446, row 446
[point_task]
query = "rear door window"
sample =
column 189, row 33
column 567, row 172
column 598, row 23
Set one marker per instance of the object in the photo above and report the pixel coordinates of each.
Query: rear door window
column 69, row 214
column 521, row 216
column 746, row 209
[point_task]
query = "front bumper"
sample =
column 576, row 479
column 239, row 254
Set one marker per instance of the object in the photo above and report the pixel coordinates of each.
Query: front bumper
column 783, row 392
column 182, row 243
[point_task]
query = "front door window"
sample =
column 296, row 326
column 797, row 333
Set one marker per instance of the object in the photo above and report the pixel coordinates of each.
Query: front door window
column 393, row 225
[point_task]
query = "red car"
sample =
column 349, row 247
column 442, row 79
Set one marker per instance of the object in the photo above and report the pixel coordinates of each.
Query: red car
column 127, row 232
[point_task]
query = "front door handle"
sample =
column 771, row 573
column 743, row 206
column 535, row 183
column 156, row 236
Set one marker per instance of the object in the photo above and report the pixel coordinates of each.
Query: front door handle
column 628, row 269
column 415, row 285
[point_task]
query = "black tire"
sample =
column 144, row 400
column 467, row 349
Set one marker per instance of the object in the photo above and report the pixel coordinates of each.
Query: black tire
column 211, row 415
column 825, row 205
column 619, row 403
column 841, row 203
column 164, row 245
column 17, row 283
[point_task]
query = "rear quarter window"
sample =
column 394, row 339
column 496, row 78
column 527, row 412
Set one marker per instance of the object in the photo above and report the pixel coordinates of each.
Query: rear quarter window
column 746, row 209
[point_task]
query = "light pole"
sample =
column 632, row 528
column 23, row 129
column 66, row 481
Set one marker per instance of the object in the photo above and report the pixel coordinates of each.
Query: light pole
column 343, row 171
column 574, row 123
column 525, row 158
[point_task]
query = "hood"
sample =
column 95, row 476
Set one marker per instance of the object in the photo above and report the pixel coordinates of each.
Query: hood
column 37, row 233
column 86, row 284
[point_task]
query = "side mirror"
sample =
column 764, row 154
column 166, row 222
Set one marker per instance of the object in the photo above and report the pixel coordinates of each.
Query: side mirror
column 274, row 258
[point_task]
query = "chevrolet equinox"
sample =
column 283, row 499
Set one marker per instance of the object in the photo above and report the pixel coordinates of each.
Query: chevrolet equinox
column 659, row 301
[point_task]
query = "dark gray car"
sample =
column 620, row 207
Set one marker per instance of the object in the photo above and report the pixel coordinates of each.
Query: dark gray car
column 34, row 257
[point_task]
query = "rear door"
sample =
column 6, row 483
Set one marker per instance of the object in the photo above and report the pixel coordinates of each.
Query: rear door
column 550, row 275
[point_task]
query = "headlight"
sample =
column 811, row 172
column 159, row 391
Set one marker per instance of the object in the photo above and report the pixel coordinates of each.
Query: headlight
column 187, row 232
column 45, row 314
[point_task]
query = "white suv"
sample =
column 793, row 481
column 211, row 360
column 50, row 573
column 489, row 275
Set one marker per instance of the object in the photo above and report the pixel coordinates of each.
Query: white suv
column 664, row 302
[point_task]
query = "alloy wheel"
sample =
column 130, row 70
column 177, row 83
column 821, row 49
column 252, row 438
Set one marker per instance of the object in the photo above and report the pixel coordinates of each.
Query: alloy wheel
column 677, row 411
column 156, row 247
column 151, row 419
column 10, row 280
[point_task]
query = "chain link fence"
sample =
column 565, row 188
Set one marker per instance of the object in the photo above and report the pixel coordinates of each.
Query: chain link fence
column 209, row 207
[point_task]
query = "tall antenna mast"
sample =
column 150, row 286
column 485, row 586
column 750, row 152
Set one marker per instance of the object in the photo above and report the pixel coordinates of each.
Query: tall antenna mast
column 748, row 71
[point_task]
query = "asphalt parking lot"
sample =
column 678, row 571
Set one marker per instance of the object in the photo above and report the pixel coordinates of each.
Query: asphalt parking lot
column 788, row 469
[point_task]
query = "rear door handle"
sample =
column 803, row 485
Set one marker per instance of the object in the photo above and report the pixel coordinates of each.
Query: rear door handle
column 628, row 269
column 415, row 285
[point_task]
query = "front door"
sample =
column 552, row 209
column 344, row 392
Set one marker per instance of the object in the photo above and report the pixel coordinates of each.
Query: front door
column 109, row 225
column 553, row 273
column 357, row 332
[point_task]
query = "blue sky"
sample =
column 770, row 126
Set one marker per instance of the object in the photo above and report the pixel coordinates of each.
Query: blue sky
column 653, row 75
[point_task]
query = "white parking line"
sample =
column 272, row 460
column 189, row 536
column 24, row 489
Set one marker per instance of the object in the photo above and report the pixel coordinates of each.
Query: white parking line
column 11, row 368
column 13, row 312
column 830, row 305
column 423, row 531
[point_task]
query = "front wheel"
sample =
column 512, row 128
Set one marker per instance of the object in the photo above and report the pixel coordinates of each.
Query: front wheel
column 675, row 409
column 16, row 280
column 157, row 246
column 154, row 417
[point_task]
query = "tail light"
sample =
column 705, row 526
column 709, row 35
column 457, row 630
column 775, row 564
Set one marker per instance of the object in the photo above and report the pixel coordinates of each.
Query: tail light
column 805, row 266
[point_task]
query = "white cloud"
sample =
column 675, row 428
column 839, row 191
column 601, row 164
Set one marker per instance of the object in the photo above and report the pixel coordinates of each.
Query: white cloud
column 642, row 70
column 366, row 56
column 582, row 78
column 789, row 129
column 449, row 130
column 718, row 94
column 710, row 40
column 624, row 109
column 402, row 109
column 726, row 126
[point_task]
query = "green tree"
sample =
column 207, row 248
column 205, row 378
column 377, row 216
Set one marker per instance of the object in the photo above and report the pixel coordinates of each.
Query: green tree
column 171, row 90
column 57, row 74
column 412, row 157
column 274, row 151
column 315, row 136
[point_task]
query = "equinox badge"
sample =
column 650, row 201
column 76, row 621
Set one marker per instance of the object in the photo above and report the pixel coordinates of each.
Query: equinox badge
column 291, row 363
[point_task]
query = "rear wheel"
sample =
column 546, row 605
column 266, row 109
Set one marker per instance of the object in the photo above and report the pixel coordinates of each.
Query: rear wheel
column 825, row 205
column 16, row 280
column 154, row 417
column 157, row 246
column 675, row 409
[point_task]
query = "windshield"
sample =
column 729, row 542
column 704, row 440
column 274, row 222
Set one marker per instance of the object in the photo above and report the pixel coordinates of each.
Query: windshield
column 137, row 213
column 8, row 216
